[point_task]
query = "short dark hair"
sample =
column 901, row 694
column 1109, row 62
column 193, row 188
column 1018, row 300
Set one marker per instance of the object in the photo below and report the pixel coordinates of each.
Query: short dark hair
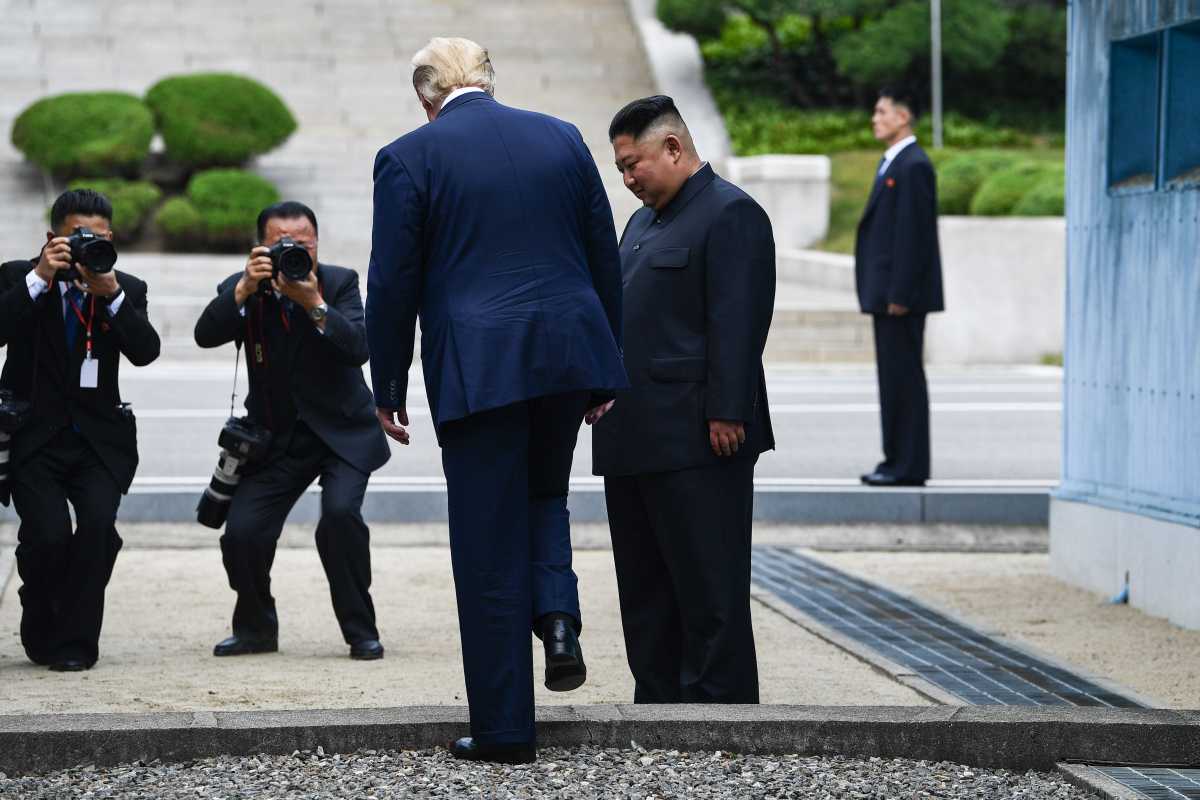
column 85, row 202
column 641, row 115
column 902, row 96
column 288, row 209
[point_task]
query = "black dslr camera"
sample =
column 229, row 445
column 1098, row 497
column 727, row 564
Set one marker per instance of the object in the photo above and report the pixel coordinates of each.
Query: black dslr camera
column 14, row 414
column 289, row 257
column 242, row 442
column 90, row 249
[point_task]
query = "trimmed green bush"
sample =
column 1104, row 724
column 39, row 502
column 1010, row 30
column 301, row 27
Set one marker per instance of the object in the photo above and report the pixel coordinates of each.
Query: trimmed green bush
column 961, row 176
column 759, row 126
column 132, row 202
column 217, row 119
column 92, row 133
column 218, row 212
column 1000, row 193
column 1046, row 199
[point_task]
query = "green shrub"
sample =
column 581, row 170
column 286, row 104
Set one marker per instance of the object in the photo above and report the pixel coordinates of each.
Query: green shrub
column 1046, row 199
column 961, row 176
column 218, row 212
column 218, row 120
column 759, row 126
column 703, row 20
column 99, row 133
column 1001, row 192
column 132, row 202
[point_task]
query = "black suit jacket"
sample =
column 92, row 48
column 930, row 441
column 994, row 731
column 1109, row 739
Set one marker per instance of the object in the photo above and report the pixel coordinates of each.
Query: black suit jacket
column 896, row 255
column 38, row 368
column 699, row 293
column 323, row 380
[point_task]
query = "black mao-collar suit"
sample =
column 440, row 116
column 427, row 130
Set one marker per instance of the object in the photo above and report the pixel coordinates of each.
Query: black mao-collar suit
column 80, row 446
column 308, row 388
column 897, row 260
column 699, row 291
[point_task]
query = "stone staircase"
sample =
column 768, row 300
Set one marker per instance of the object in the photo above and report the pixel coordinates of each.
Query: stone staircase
column 577, row 59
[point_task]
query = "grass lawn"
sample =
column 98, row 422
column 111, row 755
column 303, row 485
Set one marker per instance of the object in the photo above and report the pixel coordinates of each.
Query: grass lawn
column 853, row 174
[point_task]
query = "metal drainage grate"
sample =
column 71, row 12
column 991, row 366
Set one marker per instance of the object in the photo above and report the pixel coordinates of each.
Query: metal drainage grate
column 1157, row 783
column 965, row 662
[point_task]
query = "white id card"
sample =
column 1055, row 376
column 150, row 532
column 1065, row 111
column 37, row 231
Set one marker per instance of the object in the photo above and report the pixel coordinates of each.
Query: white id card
column 89, row 374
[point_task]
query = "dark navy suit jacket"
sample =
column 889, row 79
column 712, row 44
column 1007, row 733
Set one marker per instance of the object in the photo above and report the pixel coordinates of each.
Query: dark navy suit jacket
column 492, row 224
column 896, row 256
column 699, row 295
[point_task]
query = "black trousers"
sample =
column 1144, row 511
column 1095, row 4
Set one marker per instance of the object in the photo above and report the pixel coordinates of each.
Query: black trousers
column 507, row 476
column 681, row 542
column 64, row 574
column 260, row 507
column 903, row 395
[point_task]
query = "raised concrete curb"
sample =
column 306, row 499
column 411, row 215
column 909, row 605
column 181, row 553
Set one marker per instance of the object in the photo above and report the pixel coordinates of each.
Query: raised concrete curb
column 801, row 505
column 1096, row 782
column 1001, row 737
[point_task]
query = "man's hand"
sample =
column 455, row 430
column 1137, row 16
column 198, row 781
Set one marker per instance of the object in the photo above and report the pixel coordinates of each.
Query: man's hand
column 102, row 286
column 56, row 255
column 305, row 293
column 258, row 269
column 594, row 414
column 897, row 310
column 388, row 417
column 725, row 437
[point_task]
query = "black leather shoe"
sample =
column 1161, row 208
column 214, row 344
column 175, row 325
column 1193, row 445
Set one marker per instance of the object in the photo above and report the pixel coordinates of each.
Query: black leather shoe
column 70, row 665
column 881, row 480
column 237, row 646
column 366, row 650
column 466, row 749
column 565, row 669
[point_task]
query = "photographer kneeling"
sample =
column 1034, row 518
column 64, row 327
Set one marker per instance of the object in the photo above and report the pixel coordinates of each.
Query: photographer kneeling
column 310, row 415
column 66, row 318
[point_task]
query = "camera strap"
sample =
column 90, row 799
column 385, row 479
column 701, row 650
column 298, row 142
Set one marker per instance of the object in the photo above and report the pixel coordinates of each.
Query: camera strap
column 237, row 361
column 86, row 324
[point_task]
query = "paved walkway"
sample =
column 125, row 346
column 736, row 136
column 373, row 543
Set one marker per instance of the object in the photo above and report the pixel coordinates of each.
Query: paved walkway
column 169, row 603
column 348, row 81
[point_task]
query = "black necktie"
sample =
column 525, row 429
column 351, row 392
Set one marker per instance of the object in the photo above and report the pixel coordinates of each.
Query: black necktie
column 71, row 318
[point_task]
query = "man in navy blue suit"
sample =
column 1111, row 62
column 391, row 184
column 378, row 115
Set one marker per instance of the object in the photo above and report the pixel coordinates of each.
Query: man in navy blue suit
column 899, row 275
column 492, row 225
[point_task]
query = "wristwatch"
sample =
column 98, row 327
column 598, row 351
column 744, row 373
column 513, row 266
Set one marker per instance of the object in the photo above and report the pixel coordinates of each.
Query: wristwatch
column 318, row 313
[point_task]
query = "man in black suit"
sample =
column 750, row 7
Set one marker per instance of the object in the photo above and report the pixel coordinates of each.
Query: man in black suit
column 898, row 268
column 678, row 449
column 65, row 336
column 305, row 347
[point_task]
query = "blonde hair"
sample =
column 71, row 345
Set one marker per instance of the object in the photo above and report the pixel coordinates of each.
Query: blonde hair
column 446, row 64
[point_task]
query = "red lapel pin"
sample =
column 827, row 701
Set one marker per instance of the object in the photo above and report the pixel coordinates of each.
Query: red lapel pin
column 891, row 182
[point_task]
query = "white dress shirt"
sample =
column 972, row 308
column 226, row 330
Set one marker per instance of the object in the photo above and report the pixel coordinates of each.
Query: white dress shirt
column 890, row 155
column 37, row 286
column 459, row 93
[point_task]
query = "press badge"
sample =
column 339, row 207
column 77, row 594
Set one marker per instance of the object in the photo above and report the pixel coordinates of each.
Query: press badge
column 89, row 373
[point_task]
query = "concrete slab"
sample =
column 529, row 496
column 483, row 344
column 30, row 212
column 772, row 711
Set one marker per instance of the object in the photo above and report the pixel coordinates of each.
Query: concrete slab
column 1018, row 739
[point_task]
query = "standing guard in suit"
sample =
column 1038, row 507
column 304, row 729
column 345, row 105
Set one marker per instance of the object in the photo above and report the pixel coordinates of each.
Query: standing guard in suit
column 305, row 347
column 66, row 318
column 898, row 269
column 492, row 224
column 678, row 449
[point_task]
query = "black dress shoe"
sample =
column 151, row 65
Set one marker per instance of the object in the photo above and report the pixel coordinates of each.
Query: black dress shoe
column 565, row 669
column 884, row 481
column 238, row 646
column 366, row 650
column 466, row 749
column 70, row 665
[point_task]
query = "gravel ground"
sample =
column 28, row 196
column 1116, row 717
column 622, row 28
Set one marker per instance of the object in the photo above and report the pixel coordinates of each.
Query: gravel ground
column 585, row 773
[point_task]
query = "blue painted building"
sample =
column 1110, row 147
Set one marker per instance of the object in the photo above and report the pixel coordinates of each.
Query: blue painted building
column 1128, row 509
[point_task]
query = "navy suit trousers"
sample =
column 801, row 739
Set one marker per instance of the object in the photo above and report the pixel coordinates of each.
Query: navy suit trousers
column 507, row 473
column 903, row 395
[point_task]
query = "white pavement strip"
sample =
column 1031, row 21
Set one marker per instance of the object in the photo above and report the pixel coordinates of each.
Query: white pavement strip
column 776, row 408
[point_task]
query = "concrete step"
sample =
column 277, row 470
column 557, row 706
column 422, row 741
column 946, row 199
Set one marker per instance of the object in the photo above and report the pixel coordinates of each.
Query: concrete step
column 816, row 268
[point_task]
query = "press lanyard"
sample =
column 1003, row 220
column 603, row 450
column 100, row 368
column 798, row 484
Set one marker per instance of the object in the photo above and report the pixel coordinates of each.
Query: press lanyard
column 87, row 324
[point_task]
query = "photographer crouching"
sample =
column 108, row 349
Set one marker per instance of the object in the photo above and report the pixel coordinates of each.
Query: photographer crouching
column 310, row 415
column 66, row 319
